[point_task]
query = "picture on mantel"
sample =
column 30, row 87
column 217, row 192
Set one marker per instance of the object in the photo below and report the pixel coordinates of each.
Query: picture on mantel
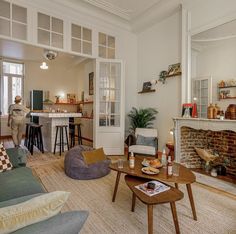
column 91, row 78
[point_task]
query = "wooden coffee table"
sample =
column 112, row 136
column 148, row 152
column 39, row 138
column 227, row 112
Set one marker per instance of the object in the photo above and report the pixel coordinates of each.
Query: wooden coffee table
column 170, row 196
column 186, row 177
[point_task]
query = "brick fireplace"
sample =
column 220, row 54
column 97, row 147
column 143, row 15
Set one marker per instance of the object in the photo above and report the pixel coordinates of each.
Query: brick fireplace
column 221, row 142
column 217, row 135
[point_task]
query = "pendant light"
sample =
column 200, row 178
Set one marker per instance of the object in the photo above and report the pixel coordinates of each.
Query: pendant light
column 44, row 66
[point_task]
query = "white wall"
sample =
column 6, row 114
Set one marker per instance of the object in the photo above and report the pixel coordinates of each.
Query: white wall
column 59, row 78
column 158, row 47
column 218, row 60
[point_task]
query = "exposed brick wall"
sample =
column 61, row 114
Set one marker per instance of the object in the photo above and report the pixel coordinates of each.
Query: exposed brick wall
column 224, row 142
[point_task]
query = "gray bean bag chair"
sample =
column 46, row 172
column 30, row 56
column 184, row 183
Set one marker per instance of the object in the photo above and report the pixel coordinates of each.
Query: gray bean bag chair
column 76, row 168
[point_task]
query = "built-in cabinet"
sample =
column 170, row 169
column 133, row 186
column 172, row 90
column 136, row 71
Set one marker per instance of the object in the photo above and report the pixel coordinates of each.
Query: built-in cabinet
column 13, row 20
column 50, row 31
column 81, row 39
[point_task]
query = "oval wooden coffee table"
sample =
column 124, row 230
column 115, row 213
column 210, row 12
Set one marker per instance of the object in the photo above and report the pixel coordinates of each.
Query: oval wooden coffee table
column 170, row 196
column 186, row 177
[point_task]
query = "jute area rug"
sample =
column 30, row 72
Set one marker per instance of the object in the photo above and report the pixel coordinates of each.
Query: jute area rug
column 216, row 212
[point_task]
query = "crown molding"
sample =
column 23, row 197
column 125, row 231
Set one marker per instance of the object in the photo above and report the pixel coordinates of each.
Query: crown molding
column 107, row 6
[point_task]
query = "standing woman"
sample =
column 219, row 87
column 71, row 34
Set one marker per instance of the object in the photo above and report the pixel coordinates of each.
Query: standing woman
column 16, row 119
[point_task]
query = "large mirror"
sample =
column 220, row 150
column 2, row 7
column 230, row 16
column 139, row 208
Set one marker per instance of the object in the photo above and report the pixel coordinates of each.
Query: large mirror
column 213, row 67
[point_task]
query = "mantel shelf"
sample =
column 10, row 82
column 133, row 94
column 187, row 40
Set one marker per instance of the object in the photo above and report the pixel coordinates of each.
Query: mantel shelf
column 147, row 91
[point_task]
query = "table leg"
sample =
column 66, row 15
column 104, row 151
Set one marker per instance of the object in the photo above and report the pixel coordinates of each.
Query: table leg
column 116, row 186
column 175, row 218
column 133, row 202
column 190, row 195
column 150, row 219
column 177, row 185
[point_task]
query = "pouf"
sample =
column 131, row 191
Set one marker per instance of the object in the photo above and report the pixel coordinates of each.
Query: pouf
column 76, row 168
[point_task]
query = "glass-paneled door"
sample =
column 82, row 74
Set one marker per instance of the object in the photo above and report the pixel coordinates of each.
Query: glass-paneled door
column 109, row 117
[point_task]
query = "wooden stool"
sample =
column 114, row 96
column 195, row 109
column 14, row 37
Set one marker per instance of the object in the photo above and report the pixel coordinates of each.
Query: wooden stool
column 72, row 127
column 35, row 137
column 61, row 142
column 170, row 196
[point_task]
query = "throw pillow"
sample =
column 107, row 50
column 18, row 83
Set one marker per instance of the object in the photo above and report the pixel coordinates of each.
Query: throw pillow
column 5, row 163
column 32, row 211
column 94, row 156
column 148, row 141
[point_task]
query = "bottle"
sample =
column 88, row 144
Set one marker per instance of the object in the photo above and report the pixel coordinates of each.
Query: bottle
column 215, row 111
column 163, row 157
column 169, row 167
column 131, row 161
column 210, row 110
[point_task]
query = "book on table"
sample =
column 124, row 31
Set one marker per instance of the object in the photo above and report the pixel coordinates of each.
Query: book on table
column 159, row 188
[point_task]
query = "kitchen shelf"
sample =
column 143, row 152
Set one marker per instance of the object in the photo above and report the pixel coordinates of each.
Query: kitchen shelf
column 86, row 117
column 84, row 103
column 64, row 103
column 147, row 91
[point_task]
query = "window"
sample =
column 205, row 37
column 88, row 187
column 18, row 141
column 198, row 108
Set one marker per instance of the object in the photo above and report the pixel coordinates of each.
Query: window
column 202, row 94
column 106, row 45
column 11, row 83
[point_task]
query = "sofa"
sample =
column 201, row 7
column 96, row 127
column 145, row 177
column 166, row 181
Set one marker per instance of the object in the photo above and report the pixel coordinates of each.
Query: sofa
column 19, row 185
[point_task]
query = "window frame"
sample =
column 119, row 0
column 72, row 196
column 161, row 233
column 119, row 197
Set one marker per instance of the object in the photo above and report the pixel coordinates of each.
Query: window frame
column 11, row 75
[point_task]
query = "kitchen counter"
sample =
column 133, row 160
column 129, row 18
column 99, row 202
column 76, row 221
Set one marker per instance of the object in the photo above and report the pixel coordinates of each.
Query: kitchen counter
column 56, row 115
column 49, row 121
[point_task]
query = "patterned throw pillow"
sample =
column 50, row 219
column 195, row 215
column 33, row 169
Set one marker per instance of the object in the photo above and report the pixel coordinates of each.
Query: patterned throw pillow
column 5, row 163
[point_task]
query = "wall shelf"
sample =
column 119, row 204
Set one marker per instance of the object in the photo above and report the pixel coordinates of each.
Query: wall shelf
column 147, row 91
column 176, row 74
column 226, row 87
column 227, row 98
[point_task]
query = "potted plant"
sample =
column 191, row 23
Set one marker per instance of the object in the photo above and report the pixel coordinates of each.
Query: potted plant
column 141, row 118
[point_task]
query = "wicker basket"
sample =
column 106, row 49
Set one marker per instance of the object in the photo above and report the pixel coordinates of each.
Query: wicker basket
column 205, row 155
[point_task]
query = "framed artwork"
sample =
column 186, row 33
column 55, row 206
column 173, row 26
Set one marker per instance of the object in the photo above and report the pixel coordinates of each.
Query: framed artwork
column 91, row 78
column 174, row 69
column 147, row 86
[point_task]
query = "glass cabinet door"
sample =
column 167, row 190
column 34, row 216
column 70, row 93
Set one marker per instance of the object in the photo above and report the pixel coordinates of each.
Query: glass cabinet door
column 109, row 99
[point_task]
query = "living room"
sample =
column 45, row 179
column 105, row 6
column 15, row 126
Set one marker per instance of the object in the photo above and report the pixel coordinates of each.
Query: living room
column 149, row 38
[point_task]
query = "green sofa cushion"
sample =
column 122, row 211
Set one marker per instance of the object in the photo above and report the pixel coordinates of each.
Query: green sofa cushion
column 63, row 223
column 17, row 156
column 17, row 183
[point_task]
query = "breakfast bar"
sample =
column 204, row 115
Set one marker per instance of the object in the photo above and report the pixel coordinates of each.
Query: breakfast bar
column 49, row 121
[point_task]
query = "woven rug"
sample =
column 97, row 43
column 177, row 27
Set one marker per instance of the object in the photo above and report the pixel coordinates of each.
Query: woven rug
column 216, row 212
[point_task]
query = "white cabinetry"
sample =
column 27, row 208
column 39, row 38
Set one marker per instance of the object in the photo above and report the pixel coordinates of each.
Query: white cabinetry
column 81, row 39
column 50, row 31
column 13, row 20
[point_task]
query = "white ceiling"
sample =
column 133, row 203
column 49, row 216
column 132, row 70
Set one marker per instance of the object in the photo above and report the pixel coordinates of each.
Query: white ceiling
column 15, row 50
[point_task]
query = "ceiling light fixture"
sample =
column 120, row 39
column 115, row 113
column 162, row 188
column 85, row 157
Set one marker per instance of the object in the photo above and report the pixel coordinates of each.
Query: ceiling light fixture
column 44, row 66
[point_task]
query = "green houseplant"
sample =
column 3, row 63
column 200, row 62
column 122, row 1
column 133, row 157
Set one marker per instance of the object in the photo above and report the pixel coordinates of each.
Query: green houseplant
column 141, row 118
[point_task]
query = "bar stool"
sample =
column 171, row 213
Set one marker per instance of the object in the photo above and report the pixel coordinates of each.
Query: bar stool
column 61, row 142
column 35, row 137
column 26, row 141
column 72, row 127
